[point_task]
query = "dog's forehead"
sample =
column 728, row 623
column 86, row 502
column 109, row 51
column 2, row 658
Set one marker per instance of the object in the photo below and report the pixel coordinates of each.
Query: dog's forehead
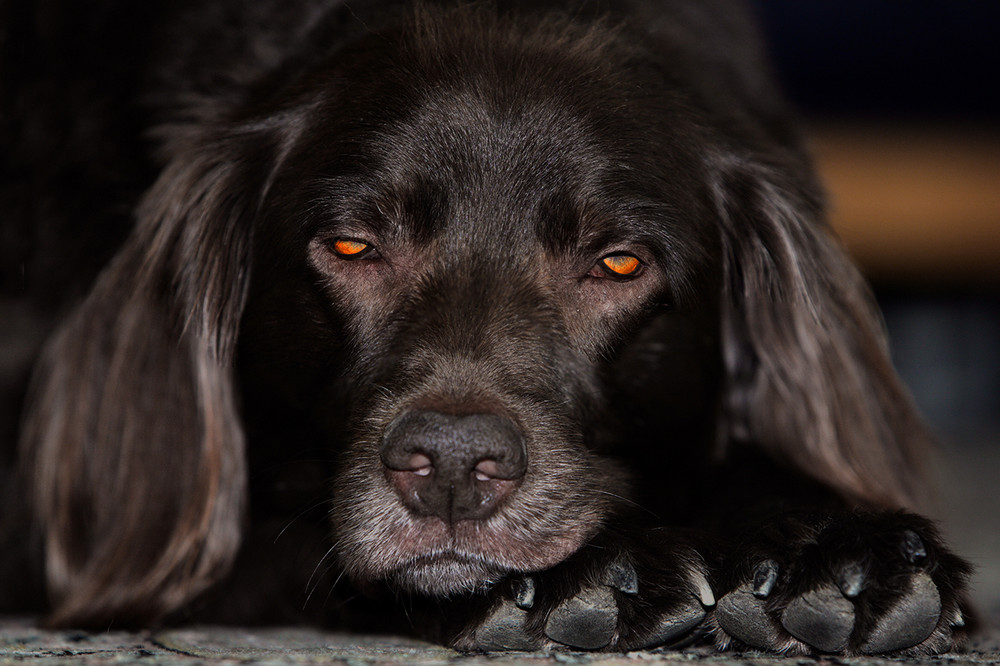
column 558, row 151
column 498, row 164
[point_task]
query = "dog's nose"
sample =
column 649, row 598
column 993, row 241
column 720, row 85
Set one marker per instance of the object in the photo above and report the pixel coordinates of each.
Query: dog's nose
column 453, row 467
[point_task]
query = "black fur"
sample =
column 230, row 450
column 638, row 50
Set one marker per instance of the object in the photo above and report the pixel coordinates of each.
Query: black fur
column 366, row 281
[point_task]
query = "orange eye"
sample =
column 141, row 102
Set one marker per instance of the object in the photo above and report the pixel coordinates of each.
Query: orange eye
column 350, row 249
column 624, row 265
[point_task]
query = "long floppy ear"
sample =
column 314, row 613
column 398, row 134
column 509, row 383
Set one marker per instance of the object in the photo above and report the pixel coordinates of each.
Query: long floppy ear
column 809, row 375
column 133, row 445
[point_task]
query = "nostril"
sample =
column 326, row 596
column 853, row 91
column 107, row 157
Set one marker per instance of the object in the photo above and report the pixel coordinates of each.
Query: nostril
column 487, row 470
column 419, row 464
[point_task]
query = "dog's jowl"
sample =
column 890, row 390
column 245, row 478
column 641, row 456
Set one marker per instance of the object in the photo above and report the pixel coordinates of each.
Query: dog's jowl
column 525, row 311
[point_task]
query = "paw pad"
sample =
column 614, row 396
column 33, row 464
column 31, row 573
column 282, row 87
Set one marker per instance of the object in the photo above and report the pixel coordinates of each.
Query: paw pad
column 504, row 630
column 910, row 621
column 741, row 615
column 673, row 626
column 532, row 612
column 586, row 621
column 822, row 618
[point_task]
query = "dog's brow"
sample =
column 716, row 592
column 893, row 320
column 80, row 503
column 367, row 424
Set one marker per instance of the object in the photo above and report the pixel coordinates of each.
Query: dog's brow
column 335, row 203
column 564, row 224
column 331, row 202
column 414, row 207
column 422, row 206
column 558, row 222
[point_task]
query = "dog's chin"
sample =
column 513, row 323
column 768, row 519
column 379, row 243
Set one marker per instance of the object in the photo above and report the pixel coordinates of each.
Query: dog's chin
column 446, row 574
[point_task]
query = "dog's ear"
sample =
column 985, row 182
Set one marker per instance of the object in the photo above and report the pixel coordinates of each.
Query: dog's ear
column 133, row 445
column 808, row 371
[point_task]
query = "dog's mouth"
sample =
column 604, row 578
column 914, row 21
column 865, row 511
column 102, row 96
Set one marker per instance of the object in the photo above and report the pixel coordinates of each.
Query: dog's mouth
column 433, row 523
column 447, row 573
column 427, row 556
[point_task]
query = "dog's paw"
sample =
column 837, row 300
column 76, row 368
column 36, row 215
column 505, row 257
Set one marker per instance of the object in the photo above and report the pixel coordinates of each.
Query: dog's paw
column 851, row 584
column 595, row 602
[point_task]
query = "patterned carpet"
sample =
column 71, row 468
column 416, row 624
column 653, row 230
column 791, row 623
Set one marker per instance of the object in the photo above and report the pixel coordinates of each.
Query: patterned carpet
column 22, row 643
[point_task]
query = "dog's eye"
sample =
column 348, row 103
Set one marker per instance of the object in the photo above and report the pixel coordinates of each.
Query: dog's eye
column 620, row 264
column 349, row 248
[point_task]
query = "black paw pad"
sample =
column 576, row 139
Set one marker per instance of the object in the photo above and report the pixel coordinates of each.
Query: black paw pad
column 673, row 626
column 504, row 630
column 586, row 621
column 822, row 618
column 910, row 621
column 741, row 614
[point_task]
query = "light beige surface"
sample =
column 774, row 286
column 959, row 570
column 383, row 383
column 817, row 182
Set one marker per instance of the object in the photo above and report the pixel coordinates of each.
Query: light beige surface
column 915, row 203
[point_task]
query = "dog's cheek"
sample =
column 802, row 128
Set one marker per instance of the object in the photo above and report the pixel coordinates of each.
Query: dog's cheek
column 363, row 293
column 367, row 517
column 566, row 499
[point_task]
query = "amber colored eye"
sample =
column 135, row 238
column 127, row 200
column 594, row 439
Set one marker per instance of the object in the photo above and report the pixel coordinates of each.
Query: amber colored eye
column 350, row 249
column 622, row 265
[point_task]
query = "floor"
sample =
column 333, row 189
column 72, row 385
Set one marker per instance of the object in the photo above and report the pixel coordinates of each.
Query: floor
column 22, row 643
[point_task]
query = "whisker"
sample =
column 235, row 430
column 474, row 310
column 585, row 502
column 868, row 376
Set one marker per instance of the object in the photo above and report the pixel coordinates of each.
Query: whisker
column 310, row 587
column 628, row 501
column 301, row 513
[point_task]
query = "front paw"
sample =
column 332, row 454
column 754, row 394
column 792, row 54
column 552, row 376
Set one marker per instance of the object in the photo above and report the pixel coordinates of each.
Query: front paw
column 603, row 598
column 847, row 584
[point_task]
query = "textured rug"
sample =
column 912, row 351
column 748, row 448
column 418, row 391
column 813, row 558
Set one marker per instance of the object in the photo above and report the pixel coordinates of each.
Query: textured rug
column 21, row 642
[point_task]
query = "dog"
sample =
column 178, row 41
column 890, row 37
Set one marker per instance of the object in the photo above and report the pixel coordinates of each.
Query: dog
column 528, row 312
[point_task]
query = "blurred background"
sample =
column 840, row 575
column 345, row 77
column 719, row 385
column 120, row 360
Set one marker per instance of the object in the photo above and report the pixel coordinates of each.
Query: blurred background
column 901, row 99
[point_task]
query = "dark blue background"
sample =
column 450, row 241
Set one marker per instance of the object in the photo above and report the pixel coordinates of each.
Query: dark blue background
column 912, row 58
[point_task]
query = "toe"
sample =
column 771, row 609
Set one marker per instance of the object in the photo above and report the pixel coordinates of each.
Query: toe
column 822, row 618
column 742, row 615
column 504, row 630
column 586, row 621
column 672, row 626
column 910, row 621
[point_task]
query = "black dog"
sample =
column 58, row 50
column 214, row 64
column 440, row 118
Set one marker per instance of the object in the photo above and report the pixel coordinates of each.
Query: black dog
column 541, row 296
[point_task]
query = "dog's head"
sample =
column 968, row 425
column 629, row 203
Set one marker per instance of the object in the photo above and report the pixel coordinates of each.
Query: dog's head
column 481, row 260
column 480, row 232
